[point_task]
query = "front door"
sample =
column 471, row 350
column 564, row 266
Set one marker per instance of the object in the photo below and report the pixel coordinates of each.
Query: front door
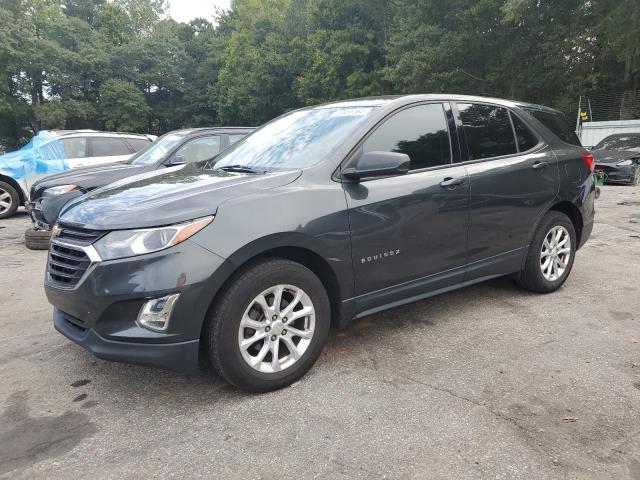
column 408, row 230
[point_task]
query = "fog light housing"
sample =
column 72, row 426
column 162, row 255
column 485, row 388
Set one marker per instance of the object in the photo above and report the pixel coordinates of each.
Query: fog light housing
column 155, row 313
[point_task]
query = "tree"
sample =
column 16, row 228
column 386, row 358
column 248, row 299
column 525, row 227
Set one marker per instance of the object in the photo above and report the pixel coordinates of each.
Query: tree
column 122, row 106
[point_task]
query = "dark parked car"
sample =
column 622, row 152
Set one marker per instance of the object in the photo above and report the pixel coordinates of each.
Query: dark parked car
column 49, row 195
column 323, row 215
column 618, row 156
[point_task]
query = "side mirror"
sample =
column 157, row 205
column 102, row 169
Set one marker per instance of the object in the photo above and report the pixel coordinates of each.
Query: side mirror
column 378, row 164
column 177, row 160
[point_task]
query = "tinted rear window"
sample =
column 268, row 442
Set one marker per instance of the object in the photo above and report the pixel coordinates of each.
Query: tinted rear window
column 526, row 139
column 108, row 147
column 138, row 143
column 488, row 131
column 555, row 122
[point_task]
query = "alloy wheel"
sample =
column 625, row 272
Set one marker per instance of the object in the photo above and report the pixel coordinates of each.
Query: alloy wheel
column 555, row 253
column 5, row 201
column 276, row 328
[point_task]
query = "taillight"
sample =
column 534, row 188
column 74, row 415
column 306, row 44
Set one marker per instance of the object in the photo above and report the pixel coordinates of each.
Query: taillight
column 589, row 161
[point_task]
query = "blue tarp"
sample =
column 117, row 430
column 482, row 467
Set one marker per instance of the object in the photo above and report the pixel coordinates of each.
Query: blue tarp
column 43, row 155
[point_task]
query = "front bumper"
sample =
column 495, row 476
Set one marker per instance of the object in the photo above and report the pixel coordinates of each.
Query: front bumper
column 181, row 356
column 44, row 211
column 100, row 312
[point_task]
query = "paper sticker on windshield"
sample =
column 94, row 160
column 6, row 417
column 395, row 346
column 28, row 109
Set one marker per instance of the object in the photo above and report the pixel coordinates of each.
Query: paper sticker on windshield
column 350, row 112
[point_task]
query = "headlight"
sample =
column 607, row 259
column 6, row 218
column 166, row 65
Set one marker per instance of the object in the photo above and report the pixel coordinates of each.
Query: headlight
column 625, row 162
column 127, row 243
column 59, row 190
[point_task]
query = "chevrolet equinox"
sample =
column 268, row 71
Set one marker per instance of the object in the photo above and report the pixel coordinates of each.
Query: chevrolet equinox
column 323, row 215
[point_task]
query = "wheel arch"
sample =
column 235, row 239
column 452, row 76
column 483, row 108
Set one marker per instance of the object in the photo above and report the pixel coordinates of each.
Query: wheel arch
column 571, row 211
column 297, row 248
column 16, row 185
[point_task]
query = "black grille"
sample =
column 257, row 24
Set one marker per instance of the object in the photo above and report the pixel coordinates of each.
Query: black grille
column 78, row 236
column 66, row 265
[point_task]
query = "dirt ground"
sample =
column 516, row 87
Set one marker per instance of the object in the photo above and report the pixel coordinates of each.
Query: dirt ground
column 485, row 382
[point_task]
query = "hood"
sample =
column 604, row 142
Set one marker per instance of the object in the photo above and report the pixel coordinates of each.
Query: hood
column 88, row 178
column 613, row 156
column 156, row 199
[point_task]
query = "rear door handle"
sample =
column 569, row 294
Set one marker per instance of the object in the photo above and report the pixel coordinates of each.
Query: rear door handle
column 452, row 182
column 539, row 165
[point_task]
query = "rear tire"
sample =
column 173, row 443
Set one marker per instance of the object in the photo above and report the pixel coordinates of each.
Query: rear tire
column 247, row 310
column 37, row 239
column 548, row 264
column 9, row 200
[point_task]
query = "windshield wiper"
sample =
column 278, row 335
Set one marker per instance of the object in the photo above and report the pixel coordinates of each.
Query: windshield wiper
column 240, row 169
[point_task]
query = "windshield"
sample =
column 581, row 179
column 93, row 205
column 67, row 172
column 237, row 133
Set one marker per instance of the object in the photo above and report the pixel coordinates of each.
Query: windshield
column 297, row 140
column 157, row 150
column 627, row 142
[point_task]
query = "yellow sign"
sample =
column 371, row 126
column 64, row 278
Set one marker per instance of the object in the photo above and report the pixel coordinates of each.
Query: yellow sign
column 584, row 116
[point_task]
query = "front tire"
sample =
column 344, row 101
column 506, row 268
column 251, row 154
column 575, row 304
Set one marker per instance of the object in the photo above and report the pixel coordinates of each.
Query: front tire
column 635, row 180
column 551, row 254
column 9, row 200
column 269, row 326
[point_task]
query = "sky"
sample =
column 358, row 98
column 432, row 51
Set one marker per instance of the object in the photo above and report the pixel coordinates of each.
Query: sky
column 187, row 10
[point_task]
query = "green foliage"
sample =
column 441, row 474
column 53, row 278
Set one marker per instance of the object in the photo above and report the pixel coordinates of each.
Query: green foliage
column 123, row 64
column 122, row 106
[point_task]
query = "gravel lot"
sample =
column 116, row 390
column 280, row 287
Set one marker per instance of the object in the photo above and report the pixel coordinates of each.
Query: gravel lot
column 485, row 382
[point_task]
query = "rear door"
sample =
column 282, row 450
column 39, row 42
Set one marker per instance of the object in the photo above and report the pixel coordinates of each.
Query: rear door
column 513, row 179
column 407, row 229
column 107, row 150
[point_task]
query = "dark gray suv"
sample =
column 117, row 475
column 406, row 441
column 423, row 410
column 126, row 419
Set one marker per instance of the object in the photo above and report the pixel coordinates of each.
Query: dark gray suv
column 323, row 215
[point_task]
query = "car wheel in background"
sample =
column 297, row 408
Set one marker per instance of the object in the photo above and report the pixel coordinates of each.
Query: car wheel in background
column 269, row 326
column 550, row 255
column 37, row 239
column 9, row 200
column 635, row 179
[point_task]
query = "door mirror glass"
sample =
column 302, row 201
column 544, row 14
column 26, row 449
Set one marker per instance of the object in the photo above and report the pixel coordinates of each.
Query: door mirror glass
column 378, row 164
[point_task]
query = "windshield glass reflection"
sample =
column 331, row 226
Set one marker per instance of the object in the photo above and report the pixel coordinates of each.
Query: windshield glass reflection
column 297, row 140
column 157, row 150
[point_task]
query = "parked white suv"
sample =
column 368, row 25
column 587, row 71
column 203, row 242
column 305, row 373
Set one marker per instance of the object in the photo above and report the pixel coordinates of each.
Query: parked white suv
column 55, row 151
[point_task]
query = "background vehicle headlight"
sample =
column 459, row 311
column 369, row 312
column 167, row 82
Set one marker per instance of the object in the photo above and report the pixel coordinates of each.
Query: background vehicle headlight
column 128, row 243
column 625, row 162
column 59, row 190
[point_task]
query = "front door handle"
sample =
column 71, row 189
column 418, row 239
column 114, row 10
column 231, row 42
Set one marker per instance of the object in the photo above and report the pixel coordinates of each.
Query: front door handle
column 452, row 182
column 539, row 165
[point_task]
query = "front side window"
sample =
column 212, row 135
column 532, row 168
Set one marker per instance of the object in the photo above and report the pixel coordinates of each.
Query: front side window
column 75, row 147
column 108, row 147
column 420, row 132
column 298, row 140
column 199, row 149
column 488, row 130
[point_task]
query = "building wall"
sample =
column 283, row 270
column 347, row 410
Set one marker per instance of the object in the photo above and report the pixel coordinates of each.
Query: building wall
column 591, row 133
